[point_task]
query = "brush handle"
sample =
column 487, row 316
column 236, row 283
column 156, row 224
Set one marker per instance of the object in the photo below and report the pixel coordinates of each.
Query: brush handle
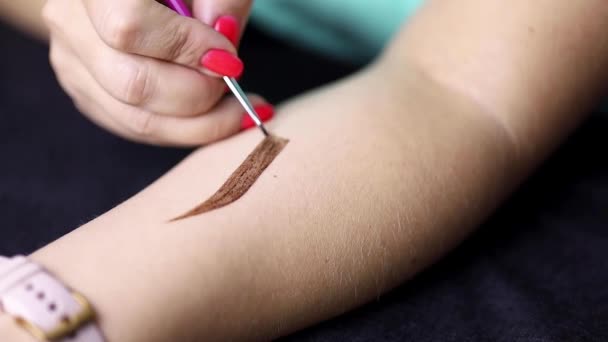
column 180, row 7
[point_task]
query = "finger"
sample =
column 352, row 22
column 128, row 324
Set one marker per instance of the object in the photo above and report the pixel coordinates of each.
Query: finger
column 83, row 89
column 150, row 29
column 225, row 120
column 154, row 85
column 133, row 123
column 226, row 17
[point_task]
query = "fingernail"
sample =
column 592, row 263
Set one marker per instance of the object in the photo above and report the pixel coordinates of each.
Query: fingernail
column 265, row 113
column 222, row 62
column 229, row 27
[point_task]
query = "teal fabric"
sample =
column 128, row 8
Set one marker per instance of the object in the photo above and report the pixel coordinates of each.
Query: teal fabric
column 352, row 30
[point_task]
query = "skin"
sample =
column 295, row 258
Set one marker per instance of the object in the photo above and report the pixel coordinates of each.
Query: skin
column 25, row 15
column 136, row 78
column 385, row 172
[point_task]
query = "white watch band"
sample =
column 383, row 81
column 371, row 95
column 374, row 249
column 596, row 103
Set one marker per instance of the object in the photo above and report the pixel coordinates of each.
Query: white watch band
column 43, row 305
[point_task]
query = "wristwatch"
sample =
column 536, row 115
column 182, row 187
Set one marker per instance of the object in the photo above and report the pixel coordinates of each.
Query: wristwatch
column 43, row 305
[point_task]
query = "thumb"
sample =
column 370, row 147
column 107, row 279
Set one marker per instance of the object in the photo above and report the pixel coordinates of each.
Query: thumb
column 228, row 17
column 149, row 29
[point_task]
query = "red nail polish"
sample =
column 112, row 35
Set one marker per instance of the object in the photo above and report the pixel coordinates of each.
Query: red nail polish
column 265, row 113
column 229, row 27
column 222, row 62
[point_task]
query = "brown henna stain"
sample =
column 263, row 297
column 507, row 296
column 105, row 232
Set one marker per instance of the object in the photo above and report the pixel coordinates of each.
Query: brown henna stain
column 242, row 178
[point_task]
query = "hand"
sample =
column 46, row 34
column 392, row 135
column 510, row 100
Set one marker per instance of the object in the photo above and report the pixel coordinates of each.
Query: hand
column 144, row 72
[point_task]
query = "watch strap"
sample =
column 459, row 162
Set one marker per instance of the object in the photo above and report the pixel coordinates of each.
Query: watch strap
column 43, row 305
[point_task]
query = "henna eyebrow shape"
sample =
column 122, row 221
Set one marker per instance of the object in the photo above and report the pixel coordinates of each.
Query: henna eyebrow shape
column 242, row 178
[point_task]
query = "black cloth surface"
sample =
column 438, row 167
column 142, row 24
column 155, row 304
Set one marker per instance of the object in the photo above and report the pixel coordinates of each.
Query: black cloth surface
column 536, row 271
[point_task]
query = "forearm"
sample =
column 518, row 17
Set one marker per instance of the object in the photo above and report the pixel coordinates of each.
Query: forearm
column 25, row 15
column 384, row 173
column 367, row 193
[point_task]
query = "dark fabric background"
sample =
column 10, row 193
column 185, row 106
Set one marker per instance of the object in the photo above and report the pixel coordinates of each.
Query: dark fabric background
column 536, row 271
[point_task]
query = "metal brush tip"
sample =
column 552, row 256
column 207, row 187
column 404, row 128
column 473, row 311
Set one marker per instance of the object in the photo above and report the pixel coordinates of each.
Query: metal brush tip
column 264, row 130
column 242, row 98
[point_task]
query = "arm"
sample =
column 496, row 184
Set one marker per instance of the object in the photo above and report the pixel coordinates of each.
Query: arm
column 24, row 15
column 385, row 172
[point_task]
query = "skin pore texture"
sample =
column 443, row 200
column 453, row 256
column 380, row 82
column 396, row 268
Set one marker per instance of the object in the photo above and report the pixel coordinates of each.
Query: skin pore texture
column 242, row 178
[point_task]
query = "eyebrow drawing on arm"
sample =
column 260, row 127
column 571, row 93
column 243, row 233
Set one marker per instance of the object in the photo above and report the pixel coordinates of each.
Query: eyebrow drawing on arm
column 242, row 178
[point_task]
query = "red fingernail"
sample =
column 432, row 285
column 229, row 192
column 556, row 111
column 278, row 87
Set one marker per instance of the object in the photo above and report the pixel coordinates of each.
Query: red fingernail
column 229, row 27
column 265, row 113
column 222, row 62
